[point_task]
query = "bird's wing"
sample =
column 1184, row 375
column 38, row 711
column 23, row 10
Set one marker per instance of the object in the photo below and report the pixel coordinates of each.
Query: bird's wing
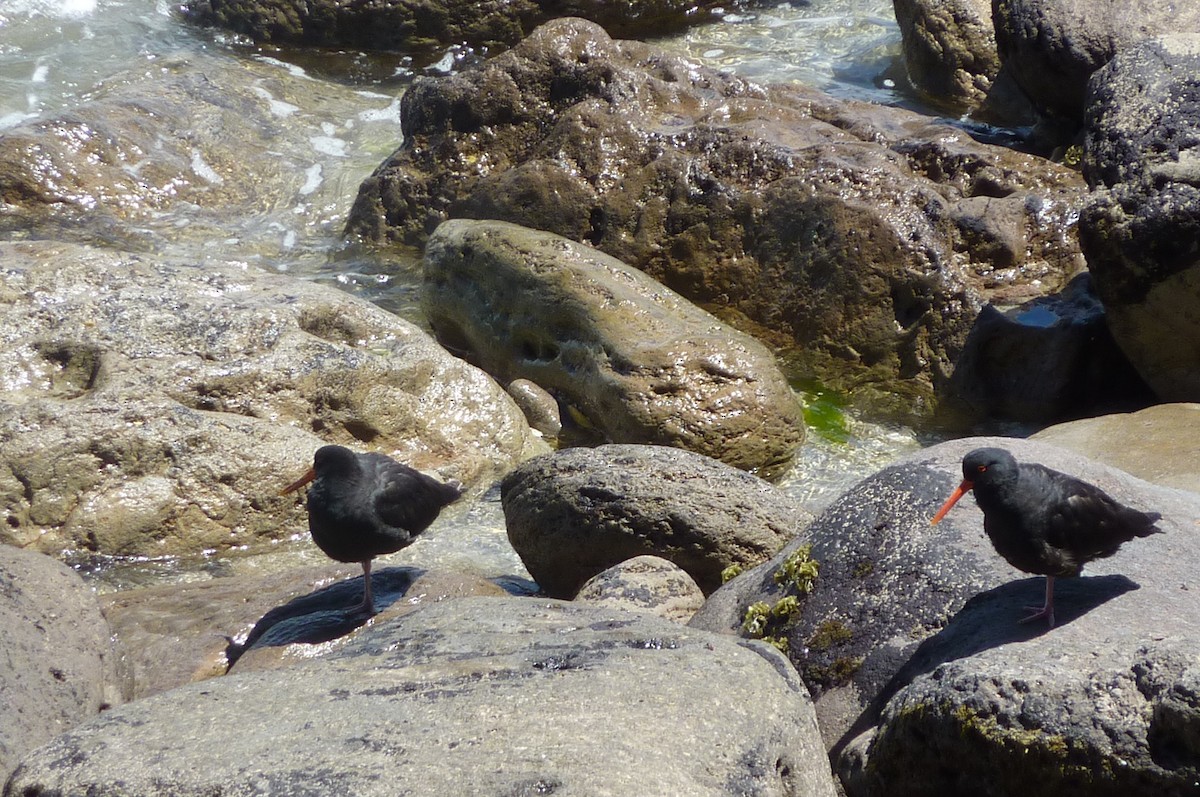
column 405, row 498
column 1086, row 519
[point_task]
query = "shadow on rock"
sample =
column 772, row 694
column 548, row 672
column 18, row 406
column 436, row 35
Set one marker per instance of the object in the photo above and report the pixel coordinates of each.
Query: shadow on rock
column 326, row 614
column 989, row 620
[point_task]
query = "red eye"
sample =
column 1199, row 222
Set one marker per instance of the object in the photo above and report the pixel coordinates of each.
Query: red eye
column 981, row 468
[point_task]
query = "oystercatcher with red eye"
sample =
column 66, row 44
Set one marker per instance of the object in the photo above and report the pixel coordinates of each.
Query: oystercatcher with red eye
column 1043, row 521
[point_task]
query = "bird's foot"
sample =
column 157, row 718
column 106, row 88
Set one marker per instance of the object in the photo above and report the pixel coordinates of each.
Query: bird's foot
column 1038, row 612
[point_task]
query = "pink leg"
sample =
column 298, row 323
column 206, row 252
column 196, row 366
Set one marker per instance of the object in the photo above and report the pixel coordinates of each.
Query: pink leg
column 368, row 601
column 1046, row 610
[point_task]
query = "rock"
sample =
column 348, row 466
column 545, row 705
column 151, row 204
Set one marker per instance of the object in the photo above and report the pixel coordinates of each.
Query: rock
column 1157, row 444
column 157, row 409
column 949, row 49
column 575, row 513
column 849, row 231
column 1049, row 358
column 162, row 162
column 60, row 667
column 1052, row 47
column 1141, row 233
column 539, row 406
column 427, row 28
column 641, row 363
column 479, row 695
column 645, row 584
column 911, row 643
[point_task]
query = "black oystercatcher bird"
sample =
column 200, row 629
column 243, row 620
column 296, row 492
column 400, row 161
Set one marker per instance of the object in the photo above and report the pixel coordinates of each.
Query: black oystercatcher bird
column 1043, row 521
column 364, row 505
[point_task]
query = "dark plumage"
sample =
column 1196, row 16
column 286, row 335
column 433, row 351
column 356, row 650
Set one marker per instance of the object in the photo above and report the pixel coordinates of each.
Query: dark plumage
column 364, row 505
column 1045, row 522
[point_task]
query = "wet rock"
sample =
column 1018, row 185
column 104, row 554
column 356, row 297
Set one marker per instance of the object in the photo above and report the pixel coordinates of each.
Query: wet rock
column 1157, row 444
column 949, row 48
column 575, row 513
column 642, row 364
column 424, row 28
column 539, row 406
column 911, row 645
column 479, row 695
column 1142, row 230
column 60, row 667
column 847, row 230
column 1052, row 47
column 168, row 144
column 646, row 584
column 157, row 409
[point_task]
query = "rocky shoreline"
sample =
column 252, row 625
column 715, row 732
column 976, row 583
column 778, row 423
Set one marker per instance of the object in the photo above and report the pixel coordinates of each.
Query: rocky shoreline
column 613, row 237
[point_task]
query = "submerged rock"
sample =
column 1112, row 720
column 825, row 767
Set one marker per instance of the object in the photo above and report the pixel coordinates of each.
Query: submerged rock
column 647, row 584
column 479, row 695
column 642, row 364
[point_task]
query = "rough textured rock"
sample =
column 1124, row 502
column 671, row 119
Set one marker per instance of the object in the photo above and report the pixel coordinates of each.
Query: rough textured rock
column 60, row 667
column 949, row 48
column 1052, row 47
column 1050, row 358
column 911, row 643
column 575, row 513
column 1142, row 231
column 867, row 237
column 641, row 363
column 645, row 584
column 479, row 695
column 1157, row 444
column 156, row 409
column 426, row 26
column 540, row 407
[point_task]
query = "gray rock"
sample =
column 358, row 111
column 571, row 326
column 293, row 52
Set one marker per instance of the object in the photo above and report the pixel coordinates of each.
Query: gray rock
column 575, row 513
column 641, row 363
column 157, row 409
column 935, row 667
column 479, row 695
column 60, row 667
column 1157, row 444
column 846, row 230
column 1141, row 234
column 645, row 584
column 1052, row 47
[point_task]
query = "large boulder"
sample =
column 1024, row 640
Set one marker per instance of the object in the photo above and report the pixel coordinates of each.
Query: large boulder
column 157, row 409
column 641, row 363
column 866, row 237
column 577, row 512
column 1141, row 233
column 911, row 643
column 1157, row 444
column 1052, row 47
column 473, row 696
column 60, row 666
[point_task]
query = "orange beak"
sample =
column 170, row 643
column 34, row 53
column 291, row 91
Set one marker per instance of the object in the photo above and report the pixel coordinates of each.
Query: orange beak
column 296, row 485
column 958, row 493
